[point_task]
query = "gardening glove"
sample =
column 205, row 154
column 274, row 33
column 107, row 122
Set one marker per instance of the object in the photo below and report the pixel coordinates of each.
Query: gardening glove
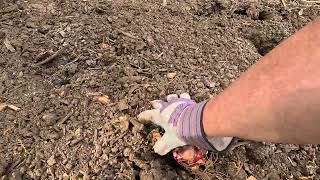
column 181, row 118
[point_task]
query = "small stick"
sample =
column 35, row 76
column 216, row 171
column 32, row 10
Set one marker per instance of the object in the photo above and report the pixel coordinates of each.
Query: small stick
column 309, row 2
column 65, row 118
column 75, row 60
column 52, row 57
column 284, row 4
column 129, row 35
column 76, row 141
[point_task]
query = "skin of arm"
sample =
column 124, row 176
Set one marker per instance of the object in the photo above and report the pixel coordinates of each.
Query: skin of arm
column 277, row 99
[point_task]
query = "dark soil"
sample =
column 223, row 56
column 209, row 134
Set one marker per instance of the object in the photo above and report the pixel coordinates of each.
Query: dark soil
column 124, row 50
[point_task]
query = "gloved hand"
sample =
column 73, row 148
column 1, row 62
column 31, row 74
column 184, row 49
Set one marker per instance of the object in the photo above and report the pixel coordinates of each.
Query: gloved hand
column 181, row 118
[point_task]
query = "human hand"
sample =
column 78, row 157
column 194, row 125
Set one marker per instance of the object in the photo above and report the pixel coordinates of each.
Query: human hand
column 181, row 118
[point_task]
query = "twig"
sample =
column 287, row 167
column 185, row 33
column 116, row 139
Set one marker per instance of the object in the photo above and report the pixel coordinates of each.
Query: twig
column 239, row 168
column 284, row 4
column 290, row 161
column 52, row 57
column 129, row 35
column 309, row 2
column 75, row 60
column 76, row 141
column 118, row 138
column 65, row 118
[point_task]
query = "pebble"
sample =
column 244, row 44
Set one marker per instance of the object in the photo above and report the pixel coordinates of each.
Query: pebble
column 126, row 152
column 53, row 135
column 150, row 40
column 77, row 133
column 123, row 104
column 16, row 176
column 49, row 119
column 113, row 161
column 44, row 29
column 105, row 157
column 171, row 75
column 212, row 84
column 51, row 161
column 68, row 166
column 114, row 149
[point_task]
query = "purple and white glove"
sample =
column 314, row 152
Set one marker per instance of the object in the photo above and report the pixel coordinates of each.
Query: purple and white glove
column 181, row 118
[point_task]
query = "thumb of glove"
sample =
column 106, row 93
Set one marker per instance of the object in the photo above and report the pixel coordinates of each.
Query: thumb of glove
column 167, row 143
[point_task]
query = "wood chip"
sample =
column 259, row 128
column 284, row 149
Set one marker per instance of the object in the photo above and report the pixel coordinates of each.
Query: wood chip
column 251, row 178
column 171, row 75
column 3, row 106
column 156, row 136
column 51, row 161
column 103, row 99
column 98, row 96
column 123, row 104
column 13, row 107
column 8, row 45
column 76, row 141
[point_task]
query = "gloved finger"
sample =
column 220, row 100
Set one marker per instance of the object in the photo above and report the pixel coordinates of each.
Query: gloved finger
column 172, row 97
column 149, row 115
column 155, row 117
column 158, row 104
column 164, row 145
column 185, row 95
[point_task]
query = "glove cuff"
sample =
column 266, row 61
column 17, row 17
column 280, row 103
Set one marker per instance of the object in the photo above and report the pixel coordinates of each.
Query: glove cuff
column 190, row 130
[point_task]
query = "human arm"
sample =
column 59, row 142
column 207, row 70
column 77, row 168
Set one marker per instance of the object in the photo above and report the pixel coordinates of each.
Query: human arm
column 277, row 99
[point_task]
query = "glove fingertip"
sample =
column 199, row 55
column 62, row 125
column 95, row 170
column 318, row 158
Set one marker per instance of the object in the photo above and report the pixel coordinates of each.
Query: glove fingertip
column 148, row 115
column 157, row 104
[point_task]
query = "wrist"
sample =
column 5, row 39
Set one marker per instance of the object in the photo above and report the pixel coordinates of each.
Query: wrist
column 191, row 130
column 213, row 125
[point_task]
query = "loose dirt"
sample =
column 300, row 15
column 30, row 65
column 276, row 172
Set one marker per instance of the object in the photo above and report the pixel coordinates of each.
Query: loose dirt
column 81, row 71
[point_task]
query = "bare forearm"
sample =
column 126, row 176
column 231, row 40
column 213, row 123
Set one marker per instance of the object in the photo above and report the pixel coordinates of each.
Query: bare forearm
column 277, row 99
